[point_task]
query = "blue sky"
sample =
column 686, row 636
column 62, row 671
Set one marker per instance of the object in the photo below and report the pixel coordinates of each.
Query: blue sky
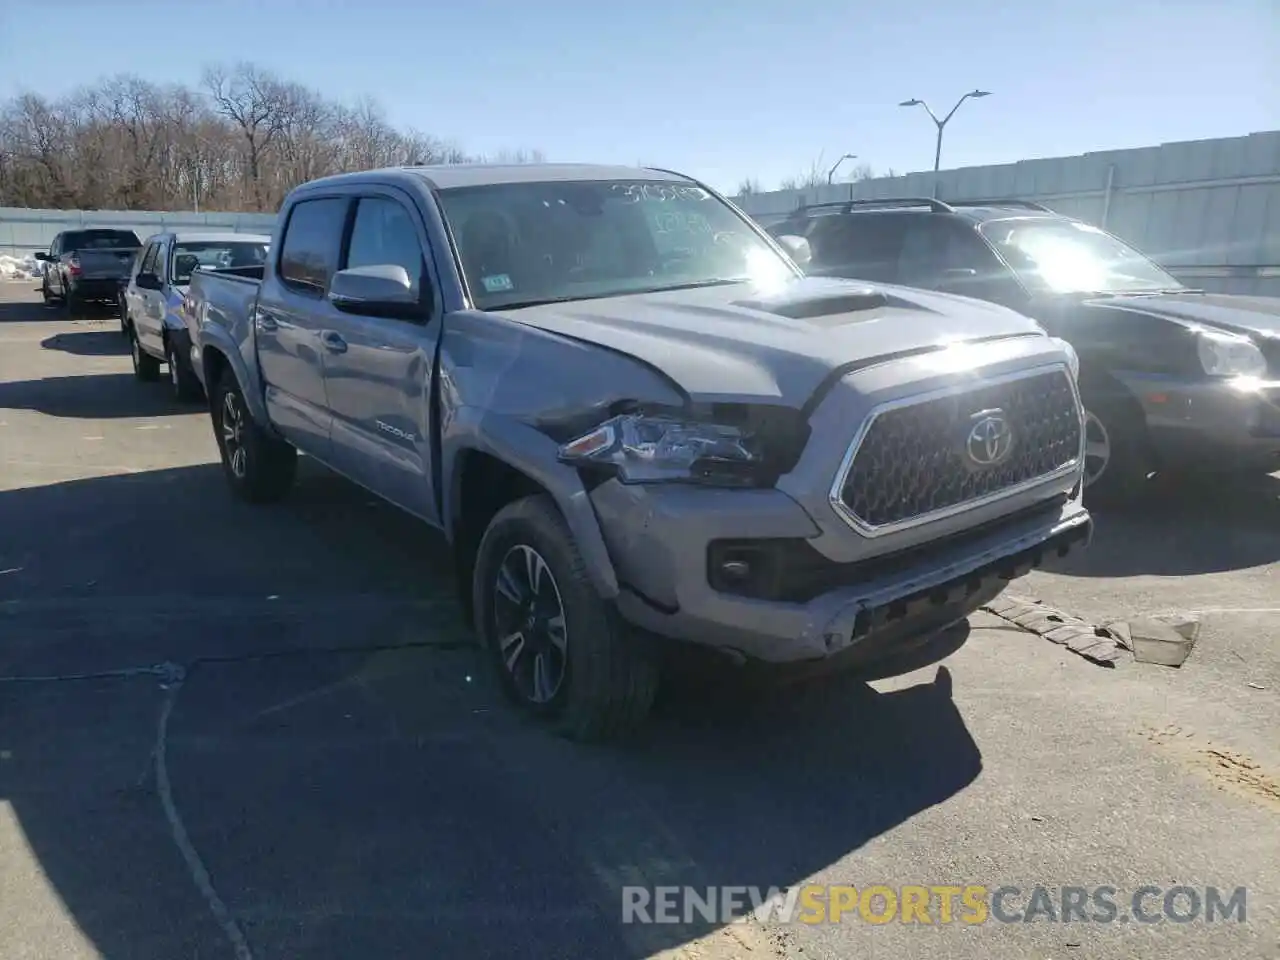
column 722, row 90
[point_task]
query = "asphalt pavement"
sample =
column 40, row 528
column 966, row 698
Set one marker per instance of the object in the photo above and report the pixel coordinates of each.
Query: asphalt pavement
column 241, row 732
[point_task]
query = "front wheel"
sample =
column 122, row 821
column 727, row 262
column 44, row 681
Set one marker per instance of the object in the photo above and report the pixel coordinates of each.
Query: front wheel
column 259, row 467
column 1116, row 457
column 561, row 653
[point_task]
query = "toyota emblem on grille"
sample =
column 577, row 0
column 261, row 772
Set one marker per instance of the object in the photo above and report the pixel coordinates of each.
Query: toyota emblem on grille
column 990, row 438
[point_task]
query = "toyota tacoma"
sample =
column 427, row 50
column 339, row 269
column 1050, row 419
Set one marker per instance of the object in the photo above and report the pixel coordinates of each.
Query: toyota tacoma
column 635, row 421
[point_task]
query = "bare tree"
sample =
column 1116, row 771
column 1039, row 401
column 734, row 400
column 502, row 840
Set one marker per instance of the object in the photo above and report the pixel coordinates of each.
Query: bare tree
column 240, row 141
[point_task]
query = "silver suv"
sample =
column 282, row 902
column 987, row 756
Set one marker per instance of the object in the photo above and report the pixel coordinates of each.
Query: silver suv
column 634, row 419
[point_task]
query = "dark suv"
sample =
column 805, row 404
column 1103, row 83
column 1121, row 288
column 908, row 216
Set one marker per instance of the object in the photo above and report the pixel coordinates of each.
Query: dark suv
column 1172, row 379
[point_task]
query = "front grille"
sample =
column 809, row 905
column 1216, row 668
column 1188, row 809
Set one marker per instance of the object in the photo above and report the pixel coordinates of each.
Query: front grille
column 917, row 460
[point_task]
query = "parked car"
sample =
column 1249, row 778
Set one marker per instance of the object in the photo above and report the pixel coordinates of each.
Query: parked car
column 634, row 420
column 154, row 297
column 1173, row 379
column 86, row 265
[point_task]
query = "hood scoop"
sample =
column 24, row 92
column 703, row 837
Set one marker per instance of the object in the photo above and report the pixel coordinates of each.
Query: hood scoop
column 811, row 308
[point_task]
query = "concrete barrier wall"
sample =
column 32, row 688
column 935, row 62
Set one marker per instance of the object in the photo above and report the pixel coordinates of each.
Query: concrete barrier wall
column 1209, row 210
column 25, row 231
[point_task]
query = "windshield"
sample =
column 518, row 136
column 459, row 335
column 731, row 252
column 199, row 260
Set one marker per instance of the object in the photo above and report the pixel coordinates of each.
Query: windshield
column 527, row 243
column 1063, row 256
column 101, row 240
column 215, row 255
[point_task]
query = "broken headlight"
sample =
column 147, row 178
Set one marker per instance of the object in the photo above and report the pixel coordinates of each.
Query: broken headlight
column 650, row 449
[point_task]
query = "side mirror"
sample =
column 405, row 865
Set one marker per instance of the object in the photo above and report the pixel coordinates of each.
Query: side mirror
column 42, row 256
column 797, row 248
column 147, row 281
column 380, row 290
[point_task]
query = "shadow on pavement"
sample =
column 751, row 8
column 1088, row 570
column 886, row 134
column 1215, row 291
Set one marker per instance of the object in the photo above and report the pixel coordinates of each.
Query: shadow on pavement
column 353, row 797
column 29, row 312
column 89, row 343
column 92, row 396
column 1192, row 526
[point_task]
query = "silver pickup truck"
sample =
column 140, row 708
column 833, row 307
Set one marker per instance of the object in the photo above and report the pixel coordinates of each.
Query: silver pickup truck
column 635, row 421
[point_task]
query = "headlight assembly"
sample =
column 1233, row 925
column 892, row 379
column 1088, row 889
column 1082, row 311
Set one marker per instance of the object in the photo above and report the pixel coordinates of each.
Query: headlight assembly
column 646, row 449
column 1229, row 355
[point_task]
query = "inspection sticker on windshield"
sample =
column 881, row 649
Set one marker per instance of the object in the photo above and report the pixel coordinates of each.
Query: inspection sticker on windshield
column 497, row 283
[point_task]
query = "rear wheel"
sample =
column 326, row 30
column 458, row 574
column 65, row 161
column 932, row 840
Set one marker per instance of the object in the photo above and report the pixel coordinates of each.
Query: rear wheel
column 259, row 467
column 182, row 380
column 145, row 367
column 559, row 650
column 122, row 307
column 45, row 295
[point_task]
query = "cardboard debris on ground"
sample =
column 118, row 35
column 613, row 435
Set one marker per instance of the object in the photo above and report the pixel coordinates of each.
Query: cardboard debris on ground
column 1165, row 640
column 1096, row 644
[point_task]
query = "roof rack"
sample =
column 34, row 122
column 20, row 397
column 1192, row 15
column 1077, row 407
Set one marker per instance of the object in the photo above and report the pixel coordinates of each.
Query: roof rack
column 847, row 206
column 1001, row 202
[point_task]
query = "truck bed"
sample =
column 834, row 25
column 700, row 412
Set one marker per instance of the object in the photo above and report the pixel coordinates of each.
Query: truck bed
column 222, row 298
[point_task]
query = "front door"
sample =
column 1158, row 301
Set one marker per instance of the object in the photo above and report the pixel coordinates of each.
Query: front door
column 378, row 370
column 148, row 316
column 292, row 311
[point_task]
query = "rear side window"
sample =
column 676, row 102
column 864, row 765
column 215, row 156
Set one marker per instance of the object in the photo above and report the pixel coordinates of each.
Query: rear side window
column 312, row 241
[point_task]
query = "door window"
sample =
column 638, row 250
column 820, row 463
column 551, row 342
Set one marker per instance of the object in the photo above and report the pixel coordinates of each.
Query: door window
column 863, row 246
column 939, row 252
column 312, row 239
column 384, row 232
column 149, row 259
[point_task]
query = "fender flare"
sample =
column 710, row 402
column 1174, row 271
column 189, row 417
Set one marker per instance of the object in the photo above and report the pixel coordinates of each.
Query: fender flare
column 214, row 340
column 535, row 455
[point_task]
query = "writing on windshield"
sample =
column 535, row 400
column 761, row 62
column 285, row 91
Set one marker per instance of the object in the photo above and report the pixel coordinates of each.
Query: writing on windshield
column 533, row 242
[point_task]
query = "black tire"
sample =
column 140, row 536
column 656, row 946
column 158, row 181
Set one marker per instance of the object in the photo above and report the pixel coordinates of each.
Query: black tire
column 264, row 469
column 182, row 379
column 45, row 295
column 74, row 304
column 1129, row 464
column 145, row 367
column 608, row 681
column 122, row 307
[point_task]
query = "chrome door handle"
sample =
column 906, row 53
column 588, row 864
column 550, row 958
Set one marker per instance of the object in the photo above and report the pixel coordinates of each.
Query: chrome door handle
column 333, row 342
column 267, row 323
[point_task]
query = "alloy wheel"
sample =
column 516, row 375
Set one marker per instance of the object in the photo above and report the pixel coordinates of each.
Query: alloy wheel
column 529, row 619
column 233, row 435
column 1097, row 449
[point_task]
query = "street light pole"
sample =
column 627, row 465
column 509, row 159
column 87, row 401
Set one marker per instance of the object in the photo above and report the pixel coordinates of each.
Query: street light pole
column 832, row 172
column 941, row 124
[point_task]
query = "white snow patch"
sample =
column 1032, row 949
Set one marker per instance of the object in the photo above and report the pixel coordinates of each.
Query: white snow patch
column 18, row 268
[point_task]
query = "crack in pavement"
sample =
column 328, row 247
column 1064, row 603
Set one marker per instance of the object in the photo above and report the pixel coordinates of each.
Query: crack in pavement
column 172, row 677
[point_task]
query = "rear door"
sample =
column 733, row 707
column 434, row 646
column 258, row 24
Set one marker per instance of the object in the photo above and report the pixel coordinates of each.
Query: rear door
column 378, row 370
column 292, row 311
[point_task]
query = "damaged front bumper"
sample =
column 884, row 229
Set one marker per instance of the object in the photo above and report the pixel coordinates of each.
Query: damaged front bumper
column 865, row 611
